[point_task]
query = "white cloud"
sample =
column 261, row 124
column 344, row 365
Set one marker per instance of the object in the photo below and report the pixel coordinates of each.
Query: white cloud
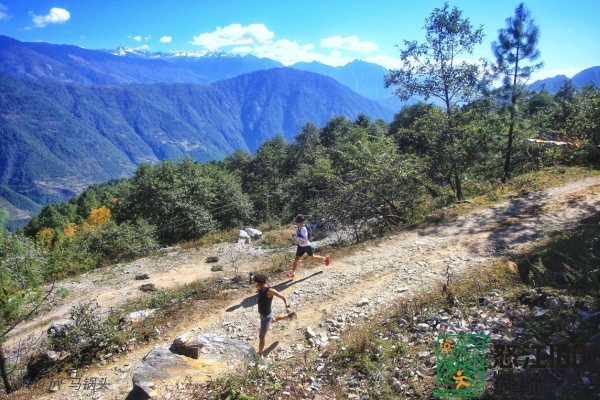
column 385, row 61
column 55, row 16
column 285, row 51
column 335, row 59
column 350, row 43
column 4, row 16
column 137, row 38
column 257, row 39
column 234, row 35
column 147, row 38
column 288, row 53
column 165, row 39
column 242, row 49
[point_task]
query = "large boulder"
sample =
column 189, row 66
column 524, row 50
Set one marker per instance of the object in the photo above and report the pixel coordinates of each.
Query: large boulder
column 167, row 364
column 243, row 235
column 135, row 317
column 253, row 233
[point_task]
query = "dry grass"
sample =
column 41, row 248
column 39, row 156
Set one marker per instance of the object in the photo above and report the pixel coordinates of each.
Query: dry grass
column 277, row 239
column 538, row 180
column 227, row 235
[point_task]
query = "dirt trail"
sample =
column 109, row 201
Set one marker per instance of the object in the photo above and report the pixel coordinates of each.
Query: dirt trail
column 327, row 298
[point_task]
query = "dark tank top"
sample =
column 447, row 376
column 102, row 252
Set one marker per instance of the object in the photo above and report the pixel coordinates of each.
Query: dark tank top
column 264, row 301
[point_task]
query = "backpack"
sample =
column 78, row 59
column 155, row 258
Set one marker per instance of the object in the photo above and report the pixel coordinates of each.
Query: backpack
column 308, row 231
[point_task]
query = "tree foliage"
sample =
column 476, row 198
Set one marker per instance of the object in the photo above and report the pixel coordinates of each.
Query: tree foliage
column 516, row 44
column 99, row 216
column 21, row 276
column 185, row 199
column 371, row 186
column 432, row 70
column 583, row 121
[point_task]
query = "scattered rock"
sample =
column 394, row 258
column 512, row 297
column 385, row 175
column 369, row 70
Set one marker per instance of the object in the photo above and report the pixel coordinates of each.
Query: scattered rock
column 59, row 329
column 187, row 345
column 136, row 316
column 593, row 318
column 423, row 327
column 552, row 302
column 216, row 268
column 585, row 380
column 211, row 259
column 169, row 249
column 363, row 302
column 539, row 313
column 142, row 277
column 595, row 338
column 148, row 287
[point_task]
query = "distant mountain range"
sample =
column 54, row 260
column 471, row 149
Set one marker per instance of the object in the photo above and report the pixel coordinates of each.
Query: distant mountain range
column 362, row 77
column 72, row 64
column 552, row 85
column 212, row 66
column 57, row 139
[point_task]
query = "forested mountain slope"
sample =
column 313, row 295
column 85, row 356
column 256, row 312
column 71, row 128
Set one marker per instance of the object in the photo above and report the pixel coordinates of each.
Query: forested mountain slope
column 58, row 139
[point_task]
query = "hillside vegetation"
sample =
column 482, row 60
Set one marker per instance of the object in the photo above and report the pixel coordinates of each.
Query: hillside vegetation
column 59, row 139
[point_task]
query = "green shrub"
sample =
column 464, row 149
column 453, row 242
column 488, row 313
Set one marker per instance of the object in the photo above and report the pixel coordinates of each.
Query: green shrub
column 119, row 243
column 89, row 336
column 103, row 245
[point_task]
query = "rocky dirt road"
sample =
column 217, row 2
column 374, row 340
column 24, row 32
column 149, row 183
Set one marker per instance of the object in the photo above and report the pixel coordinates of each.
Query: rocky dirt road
column 328, row 299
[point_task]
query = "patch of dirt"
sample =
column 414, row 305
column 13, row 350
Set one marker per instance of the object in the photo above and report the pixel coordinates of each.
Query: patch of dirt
column 390, row 268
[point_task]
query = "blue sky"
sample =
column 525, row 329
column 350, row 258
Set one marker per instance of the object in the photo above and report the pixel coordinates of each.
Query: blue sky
column 329, row 31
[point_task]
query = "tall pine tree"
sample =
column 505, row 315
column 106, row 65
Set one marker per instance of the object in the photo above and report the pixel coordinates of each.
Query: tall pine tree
column 516, row 44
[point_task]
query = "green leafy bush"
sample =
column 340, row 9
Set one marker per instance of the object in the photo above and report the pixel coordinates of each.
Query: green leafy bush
column 103, row 245
column 88, row 336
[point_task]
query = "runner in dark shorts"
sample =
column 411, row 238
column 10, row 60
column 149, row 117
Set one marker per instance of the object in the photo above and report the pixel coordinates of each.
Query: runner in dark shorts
column 304, row 247
column 301, row 250
column 265, row 299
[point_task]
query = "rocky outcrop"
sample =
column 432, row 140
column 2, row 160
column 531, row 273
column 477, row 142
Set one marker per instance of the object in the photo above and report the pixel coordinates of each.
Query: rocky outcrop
column 193, row 357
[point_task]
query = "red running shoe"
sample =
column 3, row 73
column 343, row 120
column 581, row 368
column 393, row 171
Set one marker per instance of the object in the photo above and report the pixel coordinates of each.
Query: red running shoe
column 327, row 261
